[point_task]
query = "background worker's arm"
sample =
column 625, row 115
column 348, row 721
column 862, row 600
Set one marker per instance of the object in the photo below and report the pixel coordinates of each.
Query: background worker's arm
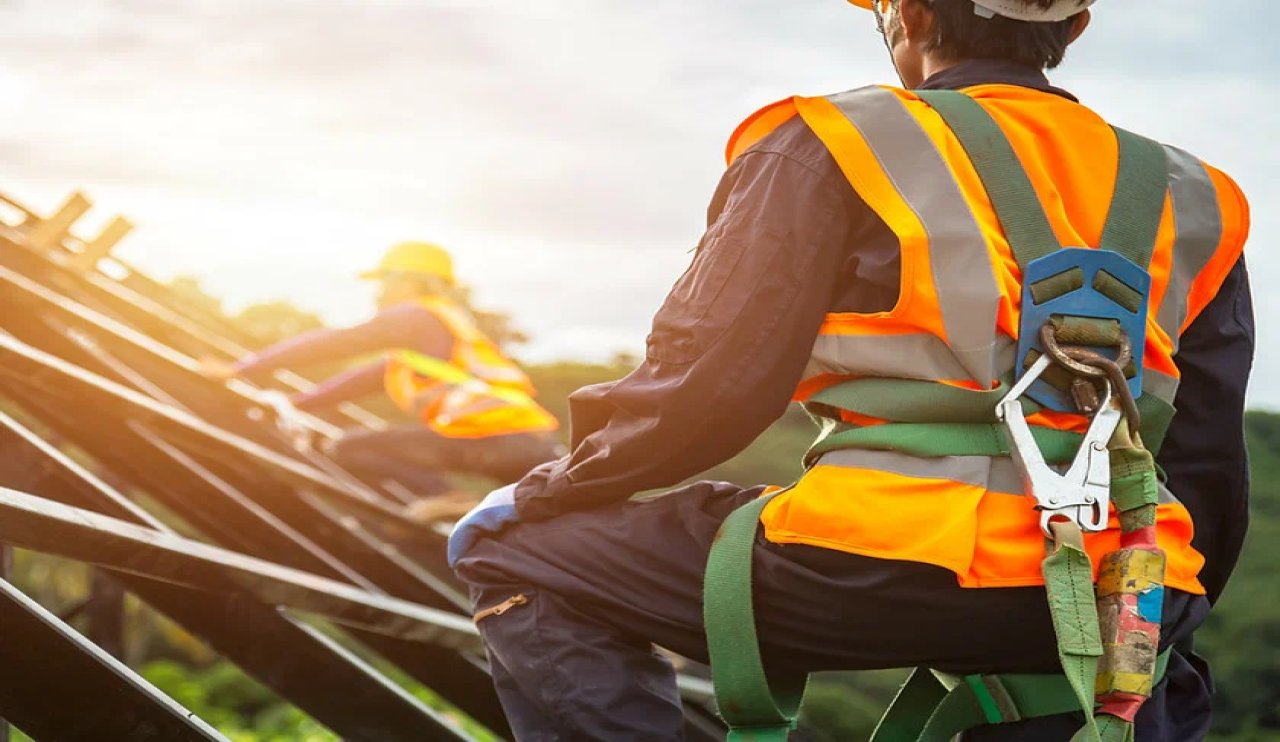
column 1204, row 450
column 361, row 381
column 402, row 326
column 728, row 346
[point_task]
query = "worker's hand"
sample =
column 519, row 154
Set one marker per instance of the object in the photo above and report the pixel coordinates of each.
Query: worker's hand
column 218, row 369
column 291, row 423
column 494, row 513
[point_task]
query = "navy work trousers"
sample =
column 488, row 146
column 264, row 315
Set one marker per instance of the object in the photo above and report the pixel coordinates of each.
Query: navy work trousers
column 575, row 661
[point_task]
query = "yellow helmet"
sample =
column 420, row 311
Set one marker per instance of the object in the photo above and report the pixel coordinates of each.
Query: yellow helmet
column 1015, row 9
column 414, row 258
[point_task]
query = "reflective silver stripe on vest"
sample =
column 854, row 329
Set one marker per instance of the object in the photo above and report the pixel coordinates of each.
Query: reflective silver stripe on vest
column 1166, row 497
column 993, row 474
column 919, row 356
column 1197, row 219
column 1161, row 385
column 997, row 475
column 962, row 274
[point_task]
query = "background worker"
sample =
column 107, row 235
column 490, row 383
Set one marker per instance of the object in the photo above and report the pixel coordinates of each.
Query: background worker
column 475, row 408
column 851, row 238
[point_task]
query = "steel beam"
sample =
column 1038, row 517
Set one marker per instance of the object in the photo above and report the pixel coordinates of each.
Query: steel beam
column 338, row 689
column 42, row 525
column 309, row 497
column 148, row 306
column 49, row 232
column 102, row 245
column 45, row 369
column 312, row 671
column 47, row 665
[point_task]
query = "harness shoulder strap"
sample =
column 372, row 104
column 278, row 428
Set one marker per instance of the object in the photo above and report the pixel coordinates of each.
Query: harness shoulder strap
column 1138, row 201
column 1014, row 198
column 1142, row 180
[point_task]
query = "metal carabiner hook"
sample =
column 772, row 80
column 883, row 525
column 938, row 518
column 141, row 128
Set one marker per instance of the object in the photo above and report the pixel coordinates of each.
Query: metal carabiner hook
column 1083, row 493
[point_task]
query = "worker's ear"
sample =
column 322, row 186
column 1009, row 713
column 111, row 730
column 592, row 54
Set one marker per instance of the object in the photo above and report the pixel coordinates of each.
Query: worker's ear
column 1081, row 22
column 917, row 21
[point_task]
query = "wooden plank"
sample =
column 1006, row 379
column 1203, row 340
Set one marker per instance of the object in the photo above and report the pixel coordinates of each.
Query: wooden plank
column 52, row 231
column 102, row 245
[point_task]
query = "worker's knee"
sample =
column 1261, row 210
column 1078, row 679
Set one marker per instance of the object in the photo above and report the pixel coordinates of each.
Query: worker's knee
column 484, row 568
column 584, row 674
column 514, row 624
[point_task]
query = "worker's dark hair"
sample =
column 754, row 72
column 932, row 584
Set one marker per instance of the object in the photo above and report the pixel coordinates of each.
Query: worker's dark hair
column 960, row 33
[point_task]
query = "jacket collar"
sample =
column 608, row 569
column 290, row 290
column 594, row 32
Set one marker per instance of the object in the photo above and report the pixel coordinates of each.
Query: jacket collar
column 992, row 71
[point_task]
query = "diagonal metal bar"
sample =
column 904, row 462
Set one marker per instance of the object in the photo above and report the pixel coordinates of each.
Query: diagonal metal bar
column 692, row 687
column 460, row 680
column 278, row 528
column 6, row 569
column 339, row 690
column 43, row 525
column 147, row 303
column 371, row 556
column 17, row 354
column 47, row 663
column 69, row 310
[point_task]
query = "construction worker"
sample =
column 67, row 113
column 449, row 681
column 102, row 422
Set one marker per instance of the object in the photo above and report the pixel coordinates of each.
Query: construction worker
column 859, row 260
column 475, row 407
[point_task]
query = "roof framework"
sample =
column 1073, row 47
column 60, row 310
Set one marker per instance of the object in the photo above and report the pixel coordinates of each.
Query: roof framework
column 116, row 452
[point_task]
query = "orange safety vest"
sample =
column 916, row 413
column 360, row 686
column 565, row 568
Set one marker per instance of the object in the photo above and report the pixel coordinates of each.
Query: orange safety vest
column 477, row 393
column 956, row 320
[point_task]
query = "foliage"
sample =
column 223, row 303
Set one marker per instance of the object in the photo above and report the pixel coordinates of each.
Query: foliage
column 275, row 321
column 235, row 704
column 187, row 292
column 1242, row 636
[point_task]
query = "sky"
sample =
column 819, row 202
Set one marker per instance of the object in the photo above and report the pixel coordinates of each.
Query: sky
column 564, row 150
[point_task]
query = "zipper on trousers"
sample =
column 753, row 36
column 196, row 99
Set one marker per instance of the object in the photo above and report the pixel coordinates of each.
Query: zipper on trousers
column 501, row 608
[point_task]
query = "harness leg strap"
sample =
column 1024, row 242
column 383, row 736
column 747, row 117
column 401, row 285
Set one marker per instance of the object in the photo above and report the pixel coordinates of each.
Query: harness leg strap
column 753, row 711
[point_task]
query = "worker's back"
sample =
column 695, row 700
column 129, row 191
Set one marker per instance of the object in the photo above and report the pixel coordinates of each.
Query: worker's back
column 866, row 254
column 956, row 322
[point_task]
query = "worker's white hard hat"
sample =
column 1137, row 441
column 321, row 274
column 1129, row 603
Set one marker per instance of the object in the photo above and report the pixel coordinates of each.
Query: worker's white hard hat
column 1021, row 10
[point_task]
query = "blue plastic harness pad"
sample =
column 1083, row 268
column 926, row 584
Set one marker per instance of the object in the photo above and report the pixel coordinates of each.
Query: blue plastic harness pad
column 1091, row 269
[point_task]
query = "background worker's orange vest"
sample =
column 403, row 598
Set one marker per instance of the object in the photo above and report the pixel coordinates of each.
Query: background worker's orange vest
column 478, row 392
column 956, row 320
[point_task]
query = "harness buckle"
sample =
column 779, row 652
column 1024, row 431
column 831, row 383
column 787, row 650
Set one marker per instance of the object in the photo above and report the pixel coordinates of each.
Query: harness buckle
column 1082, row 494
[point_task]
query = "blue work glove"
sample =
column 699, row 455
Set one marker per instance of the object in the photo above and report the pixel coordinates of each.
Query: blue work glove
column 494, row 513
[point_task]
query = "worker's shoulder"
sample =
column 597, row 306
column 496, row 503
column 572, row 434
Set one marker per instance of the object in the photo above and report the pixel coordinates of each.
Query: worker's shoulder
column 795, row 141
column 779, row 129
column 1233, row 206
column 414, row 315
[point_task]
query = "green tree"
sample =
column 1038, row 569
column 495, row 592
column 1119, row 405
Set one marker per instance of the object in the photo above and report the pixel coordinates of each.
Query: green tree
column 1241, row 638
column 187, row 292
column 273, row 321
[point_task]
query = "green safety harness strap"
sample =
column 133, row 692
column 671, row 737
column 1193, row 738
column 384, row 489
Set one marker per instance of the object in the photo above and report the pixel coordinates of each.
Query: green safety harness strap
column 754, row 711
column 1137, row 203
column 935, row 706
column 1012, row 195
column 933, row 420
column 1142, row 182
column 1068, row 582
